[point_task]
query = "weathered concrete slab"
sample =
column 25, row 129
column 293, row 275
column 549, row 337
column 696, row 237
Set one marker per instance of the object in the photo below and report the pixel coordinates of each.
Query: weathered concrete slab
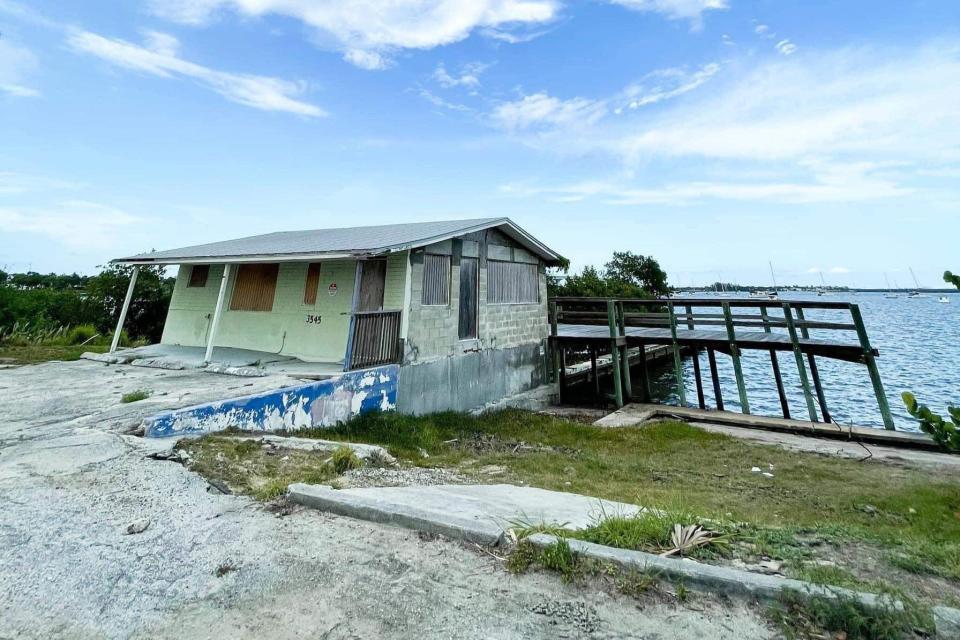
column 303, row 406
column 478, row 513
column 366, row 452
column 635, row 413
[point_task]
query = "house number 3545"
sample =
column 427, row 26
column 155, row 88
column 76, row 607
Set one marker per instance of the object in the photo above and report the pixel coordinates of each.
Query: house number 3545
column 312, row 319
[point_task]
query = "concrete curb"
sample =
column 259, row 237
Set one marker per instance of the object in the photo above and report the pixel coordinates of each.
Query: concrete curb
column 735, row 581
column 368, row 508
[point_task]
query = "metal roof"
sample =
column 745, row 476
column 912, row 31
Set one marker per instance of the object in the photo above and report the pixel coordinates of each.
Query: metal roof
column 348, row 242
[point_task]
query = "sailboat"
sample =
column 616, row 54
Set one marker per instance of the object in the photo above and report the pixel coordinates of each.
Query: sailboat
column 768, row 295
column 889, row 293
column 822, row 291
column 916, row 292
column 943, row 300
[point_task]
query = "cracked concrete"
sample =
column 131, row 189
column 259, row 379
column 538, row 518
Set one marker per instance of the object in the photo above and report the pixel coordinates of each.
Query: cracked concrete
column 71, row 482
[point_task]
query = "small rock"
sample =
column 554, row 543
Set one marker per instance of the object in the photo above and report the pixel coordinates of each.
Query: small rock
column 767, row 474
column 138, row 526
column 755, row 470
column 219, row 486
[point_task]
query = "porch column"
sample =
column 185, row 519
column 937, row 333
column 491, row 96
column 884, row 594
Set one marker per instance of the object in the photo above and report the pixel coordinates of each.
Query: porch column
column 217, row 312
column 124, row 308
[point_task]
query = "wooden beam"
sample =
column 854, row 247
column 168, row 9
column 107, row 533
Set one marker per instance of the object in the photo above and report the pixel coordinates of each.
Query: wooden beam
column 715, row 375
column 798, row 355
column 677, row 362
column 615, row 352
column 871, row 362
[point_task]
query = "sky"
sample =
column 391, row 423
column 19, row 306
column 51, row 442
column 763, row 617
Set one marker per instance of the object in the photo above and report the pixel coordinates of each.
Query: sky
column 716, row 135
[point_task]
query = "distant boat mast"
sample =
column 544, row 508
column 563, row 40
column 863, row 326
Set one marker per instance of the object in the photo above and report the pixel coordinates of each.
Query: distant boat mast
column 773, row 277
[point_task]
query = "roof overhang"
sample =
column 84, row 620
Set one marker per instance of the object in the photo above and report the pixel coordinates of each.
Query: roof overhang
column 505, row 225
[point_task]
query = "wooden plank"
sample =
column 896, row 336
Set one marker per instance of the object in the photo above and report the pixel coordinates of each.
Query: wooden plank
column 737, row 366
column 715, row 375
column 255, row 287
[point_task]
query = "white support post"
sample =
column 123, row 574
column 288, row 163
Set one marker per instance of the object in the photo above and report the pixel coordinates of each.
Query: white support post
column 124, row 308
column 217, row 312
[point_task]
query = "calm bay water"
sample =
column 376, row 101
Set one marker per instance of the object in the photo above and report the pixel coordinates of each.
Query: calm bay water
column 919, row 344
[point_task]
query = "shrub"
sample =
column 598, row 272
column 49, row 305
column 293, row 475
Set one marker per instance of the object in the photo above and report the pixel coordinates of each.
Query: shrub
column 135, row 396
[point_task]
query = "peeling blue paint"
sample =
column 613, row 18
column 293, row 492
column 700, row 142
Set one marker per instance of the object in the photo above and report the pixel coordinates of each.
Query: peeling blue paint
column 318, row 404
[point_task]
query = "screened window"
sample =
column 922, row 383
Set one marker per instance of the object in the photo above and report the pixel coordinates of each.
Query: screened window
column 436, row 280
column 255, row 287
column 312, row 284
column 198, row 275
column 512, row 283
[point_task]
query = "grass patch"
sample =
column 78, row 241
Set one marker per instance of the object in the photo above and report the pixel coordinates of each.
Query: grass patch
column 909, row 515
column 800, row 617
column 135, row 396
column 32, row 354
column 247, row 467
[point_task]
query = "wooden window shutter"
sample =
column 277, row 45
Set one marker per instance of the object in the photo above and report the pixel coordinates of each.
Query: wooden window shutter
column 255, row 287
column 436, row 280
column 198, row 275
column 312, row 284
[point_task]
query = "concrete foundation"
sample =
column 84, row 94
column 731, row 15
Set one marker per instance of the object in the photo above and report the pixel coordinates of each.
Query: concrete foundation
column 469, row 381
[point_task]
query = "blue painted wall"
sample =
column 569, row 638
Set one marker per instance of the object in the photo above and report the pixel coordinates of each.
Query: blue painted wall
column 318, row 404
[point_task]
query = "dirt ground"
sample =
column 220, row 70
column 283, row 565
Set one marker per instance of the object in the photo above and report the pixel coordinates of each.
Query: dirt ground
column 213, row 565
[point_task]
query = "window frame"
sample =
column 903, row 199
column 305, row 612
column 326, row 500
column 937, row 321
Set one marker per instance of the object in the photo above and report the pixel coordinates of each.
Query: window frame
column 314, row 269
column 198, row 269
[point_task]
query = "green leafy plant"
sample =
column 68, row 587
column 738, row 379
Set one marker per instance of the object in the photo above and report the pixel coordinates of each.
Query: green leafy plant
column 135, row 396
column 945, row 433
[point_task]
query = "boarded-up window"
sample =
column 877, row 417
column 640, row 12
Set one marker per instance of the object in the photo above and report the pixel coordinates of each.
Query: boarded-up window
column 436, row 280
column 512, row 283
column 198, row 275
column 313, row 283
column 255, row 287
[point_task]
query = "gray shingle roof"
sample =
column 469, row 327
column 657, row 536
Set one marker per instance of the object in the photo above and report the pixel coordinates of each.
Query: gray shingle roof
column 352, row 241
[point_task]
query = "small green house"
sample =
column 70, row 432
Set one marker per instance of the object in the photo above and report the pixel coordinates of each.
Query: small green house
column 460, row 305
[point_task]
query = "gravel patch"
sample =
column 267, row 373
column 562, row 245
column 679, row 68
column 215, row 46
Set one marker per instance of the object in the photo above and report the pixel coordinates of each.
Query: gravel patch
column 399, row 477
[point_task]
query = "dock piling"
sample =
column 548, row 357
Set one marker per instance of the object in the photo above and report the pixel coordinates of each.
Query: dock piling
column 735, row 355
column 871, row 363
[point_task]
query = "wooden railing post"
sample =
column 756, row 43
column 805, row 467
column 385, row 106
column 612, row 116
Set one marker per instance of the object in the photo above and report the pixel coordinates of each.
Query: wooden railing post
column 814, row 373
column 696, row 362
column 798, row 355
column 735, row 355
column 677, row 361
column 625, row 359
column 871, row 363
column 615, row 340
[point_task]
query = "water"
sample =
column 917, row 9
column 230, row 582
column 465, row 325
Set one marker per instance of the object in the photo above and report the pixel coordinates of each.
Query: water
column 919, row 344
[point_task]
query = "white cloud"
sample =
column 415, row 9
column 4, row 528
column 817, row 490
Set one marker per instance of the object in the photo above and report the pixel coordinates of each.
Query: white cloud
column 667, row 83
column 368, row 32
column 159, row 57
column 469, row 76
column 840, row 126
column 761, row 29
column 75, row 224
column 16, row 64
column 541, row 110
column 785, row 47
column 692, row 10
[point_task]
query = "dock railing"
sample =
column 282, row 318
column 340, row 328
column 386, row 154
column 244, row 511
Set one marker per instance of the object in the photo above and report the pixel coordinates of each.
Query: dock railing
column 728, row 325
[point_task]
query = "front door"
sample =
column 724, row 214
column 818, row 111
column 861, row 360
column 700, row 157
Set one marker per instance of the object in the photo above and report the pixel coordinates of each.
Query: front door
column 373, row 278
column 468, row 298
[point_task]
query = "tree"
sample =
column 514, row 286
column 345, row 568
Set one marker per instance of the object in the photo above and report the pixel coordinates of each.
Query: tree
column 945, row 432
column 148, row 308
column 627, row 275
column 640, row 271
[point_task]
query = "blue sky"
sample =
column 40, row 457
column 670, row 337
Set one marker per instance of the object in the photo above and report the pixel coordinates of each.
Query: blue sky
column 714, row 135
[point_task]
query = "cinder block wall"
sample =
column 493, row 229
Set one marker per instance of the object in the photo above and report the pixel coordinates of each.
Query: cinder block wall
column 442, row 372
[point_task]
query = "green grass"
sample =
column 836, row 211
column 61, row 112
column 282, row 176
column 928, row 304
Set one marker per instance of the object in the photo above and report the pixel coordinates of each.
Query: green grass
column 135, row 396
column 908, row 512
column 32, row 354
column 822, row 617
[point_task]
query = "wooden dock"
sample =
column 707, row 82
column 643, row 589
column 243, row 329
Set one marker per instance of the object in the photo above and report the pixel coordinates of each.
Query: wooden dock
column 592, row 327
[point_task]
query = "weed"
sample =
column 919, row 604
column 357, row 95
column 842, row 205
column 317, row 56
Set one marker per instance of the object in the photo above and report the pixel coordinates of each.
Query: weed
column 224, row 568
column 135, row 396
column 522, row 556
column 683, row 594
column 634, row 583
column 522, row 528
column 559, row 557
column 801, row 617
column 344, row 459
